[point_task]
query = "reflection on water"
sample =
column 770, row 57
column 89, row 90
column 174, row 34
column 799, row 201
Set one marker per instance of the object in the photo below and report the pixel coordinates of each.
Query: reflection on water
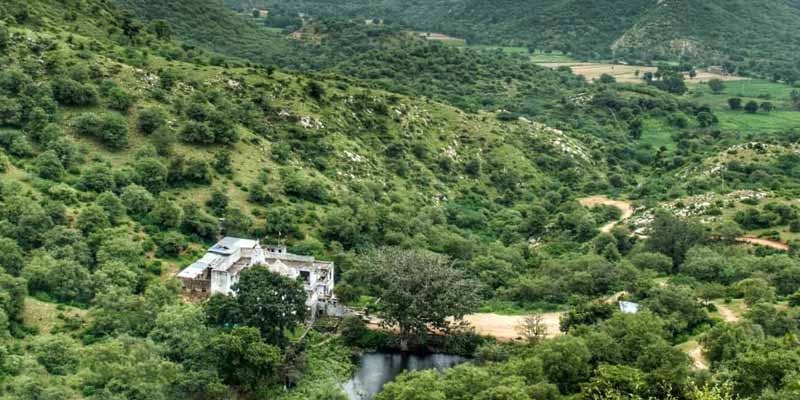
column 376, row 369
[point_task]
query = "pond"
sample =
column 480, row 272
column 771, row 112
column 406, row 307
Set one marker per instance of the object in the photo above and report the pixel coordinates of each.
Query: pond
column 376, row 369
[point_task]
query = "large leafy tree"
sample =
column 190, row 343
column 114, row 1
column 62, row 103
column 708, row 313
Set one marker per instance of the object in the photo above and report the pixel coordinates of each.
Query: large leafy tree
column 420, row 290
column 244, row 360
column 269, row 302
column 673, row 236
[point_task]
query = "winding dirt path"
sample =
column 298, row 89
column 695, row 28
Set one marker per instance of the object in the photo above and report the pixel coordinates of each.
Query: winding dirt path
column 625, row 207
column 698, row 359
column 726, row 313
column 773, row 244
column 627, row 211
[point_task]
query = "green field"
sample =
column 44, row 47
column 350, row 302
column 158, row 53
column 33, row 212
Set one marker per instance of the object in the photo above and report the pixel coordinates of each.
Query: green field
column 657, row 133
column 554, row 57
column 782, row 118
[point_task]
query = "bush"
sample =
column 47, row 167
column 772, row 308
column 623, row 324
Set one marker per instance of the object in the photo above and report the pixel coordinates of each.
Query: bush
column 151, row 119
column 59, row 354
column 171, row 244
column 97, row 178
column 315, row 90
column 49, row 166
column 197, row 132
column 4, row 163
column 137, row 200
column 794, row 300
column 120, row 100
column 115, row 131
column 71, row 93
column 15, row 143
column 111, row 129
column 5, row 38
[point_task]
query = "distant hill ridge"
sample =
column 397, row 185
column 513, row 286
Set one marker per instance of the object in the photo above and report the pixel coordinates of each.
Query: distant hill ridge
column 759, row 36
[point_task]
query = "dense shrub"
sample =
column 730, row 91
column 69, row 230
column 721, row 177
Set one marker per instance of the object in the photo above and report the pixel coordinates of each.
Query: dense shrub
column 71, row 93
column 151, row 119
column 110, row 128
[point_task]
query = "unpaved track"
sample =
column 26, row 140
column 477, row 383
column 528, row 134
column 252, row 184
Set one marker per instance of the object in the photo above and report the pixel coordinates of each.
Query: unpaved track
column 773, row 244
column 627, row 212
column 726, row 313
column 698, row 359
column 624, row 206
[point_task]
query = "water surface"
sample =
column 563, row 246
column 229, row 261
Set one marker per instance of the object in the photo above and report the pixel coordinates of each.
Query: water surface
column 376, row 369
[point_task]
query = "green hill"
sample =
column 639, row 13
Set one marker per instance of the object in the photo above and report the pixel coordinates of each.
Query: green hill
column 760, row 37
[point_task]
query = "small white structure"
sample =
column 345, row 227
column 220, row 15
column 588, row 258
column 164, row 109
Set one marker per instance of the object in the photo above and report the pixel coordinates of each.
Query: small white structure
column 220, row 268
column 628, row 307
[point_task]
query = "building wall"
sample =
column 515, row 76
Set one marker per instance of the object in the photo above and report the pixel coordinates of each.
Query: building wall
column 220, row 282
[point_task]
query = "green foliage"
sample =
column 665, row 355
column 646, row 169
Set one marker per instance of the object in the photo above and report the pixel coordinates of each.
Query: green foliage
column 413, row 309
column 64, row 280
column 71, row 93
column 151, row 119
column 119, row 100
column 137, row 200
column 245, row 360
column 57, row 354
column 49, row 166
column 673, row 237
column 271, row 303
column 166, row 213
column 11, row 257
column 751, row 107
column 716, row 85
column 110, row 128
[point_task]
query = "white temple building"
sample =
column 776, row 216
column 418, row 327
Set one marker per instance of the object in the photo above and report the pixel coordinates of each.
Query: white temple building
column 219, row 270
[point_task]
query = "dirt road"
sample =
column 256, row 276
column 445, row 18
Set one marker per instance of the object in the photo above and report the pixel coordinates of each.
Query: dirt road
column 726, row 313
column 698, row 359
column 624, row 206
column 627, row 212
column 773, row 244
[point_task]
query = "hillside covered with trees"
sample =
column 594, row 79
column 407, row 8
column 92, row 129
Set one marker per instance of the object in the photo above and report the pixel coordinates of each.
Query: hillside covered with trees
column 757, row 37
column 441, row 181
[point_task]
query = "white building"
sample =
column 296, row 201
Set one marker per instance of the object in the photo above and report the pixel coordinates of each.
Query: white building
column 221, row 267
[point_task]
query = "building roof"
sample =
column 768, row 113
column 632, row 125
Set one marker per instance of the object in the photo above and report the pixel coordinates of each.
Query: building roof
column 210, row 260
column 229, row 245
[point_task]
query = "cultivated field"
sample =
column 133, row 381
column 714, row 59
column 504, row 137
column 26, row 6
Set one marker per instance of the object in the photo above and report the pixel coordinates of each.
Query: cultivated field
column 593, row 71
column 628, row 73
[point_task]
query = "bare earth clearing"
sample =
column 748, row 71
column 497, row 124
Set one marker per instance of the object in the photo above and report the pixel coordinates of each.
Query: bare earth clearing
column 504, row 327
column 624, row 206
column 627, row 73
